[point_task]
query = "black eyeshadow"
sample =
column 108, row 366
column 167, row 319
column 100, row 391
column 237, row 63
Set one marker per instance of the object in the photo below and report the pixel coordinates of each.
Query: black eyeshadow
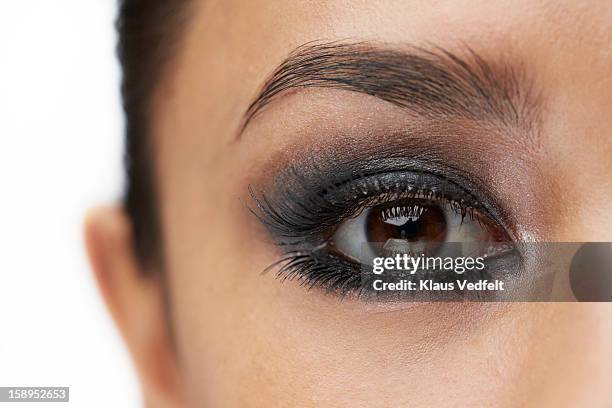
column 312, row 195
column 307, row 201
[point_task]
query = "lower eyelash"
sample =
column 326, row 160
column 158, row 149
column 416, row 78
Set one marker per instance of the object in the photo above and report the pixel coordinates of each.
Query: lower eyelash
column 339, row 277
column 311, row 271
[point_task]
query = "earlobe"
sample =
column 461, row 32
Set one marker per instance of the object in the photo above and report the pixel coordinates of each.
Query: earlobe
column 136, row 302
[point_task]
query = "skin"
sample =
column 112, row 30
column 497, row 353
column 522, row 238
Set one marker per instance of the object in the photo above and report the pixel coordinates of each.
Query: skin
column 216, row 332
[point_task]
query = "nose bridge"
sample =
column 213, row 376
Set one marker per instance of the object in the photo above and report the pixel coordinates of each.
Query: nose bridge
column 576, row 156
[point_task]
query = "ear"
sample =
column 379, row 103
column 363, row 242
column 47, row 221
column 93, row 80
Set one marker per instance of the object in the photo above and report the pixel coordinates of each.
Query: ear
column 135, row 299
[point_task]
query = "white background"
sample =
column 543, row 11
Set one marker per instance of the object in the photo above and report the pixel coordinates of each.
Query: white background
column 60, row 153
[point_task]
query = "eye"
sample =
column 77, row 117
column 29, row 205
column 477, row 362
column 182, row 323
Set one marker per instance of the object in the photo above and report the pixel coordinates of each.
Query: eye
column 418, row 226
column 330, row 225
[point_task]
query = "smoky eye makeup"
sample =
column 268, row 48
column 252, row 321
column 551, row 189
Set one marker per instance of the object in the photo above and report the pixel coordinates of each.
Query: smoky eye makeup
column 422, row 149
column 328, row 213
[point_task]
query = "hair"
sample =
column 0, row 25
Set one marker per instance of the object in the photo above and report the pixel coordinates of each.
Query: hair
column 149, row 32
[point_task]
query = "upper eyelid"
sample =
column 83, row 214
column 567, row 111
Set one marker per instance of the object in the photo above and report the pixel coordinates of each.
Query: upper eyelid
column 446, row 179
column 475, row 191
column 278, row 227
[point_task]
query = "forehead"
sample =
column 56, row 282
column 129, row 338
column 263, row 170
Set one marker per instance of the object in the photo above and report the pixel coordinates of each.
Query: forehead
column 232, row 46
column 417, row 21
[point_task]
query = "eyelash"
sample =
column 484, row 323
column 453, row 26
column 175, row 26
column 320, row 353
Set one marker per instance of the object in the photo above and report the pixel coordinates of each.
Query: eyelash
column 304, row 218
column 305, row 211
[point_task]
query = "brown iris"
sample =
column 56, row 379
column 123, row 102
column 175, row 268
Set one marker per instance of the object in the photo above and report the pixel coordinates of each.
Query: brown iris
column 417, row 222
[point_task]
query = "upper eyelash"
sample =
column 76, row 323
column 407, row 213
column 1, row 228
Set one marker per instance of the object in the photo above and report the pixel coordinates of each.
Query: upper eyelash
column 294, row 216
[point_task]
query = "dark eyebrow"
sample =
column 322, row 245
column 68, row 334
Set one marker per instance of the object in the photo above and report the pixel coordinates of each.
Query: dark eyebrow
column 430, row 82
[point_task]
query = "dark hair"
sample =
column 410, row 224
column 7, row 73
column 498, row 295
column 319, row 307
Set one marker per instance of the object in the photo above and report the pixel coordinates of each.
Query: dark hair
column 149, row 31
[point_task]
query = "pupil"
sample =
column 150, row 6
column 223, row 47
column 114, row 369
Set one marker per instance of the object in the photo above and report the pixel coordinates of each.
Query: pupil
column 416, row 223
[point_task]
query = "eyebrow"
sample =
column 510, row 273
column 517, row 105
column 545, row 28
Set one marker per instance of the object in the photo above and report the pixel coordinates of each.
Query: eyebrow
column 431, row 82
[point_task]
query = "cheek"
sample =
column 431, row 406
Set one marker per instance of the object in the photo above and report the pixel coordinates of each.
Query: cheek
column 244, row 339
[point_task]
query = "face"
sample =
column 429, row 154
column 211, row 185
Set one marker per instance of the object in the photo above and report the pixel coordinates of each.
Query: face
column 507, row 118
